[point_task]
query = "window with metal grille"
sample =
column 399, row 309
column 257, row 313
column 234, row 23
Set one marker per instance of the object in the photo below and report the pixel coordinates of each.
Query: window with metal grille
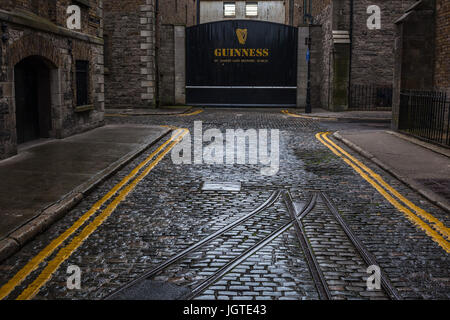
column 82, row 75
column 251, row 9
column 229, row 9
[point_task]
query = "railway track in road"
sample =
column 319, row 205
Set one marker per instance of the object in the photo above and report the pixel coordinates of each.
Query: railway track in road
column 151, row 273
column 244, row 249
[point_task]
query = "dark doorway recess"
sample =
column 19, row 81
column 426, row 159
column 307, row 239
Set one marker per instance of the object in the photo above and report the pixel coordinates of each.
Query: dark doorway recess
column 33, row 99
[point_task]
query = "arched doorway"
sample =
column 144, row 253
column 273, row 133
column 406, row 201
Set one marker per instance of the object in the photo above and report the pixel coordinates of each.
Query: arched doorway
column 33, row 99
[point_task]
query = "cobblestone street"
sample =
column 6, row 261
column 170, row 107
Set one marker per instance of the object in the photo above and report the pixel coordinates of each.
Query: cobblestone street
column 255, row 248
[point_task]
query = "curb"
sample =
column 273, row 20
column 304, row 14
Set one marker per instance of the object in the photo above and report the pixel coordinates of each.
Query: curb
column 414, row 186
column 370, row 120
column 52, row 213
column 149, row 113
column 346, row 119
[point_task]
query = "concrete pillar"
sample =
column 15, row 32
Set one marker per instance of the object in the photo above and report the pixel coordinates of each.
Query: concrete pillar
column 302, row 67
column 180, row 64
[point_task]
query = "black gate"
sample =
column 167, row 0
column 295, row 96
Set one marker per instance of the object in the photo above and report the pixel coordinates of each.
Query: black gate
column 241, row 63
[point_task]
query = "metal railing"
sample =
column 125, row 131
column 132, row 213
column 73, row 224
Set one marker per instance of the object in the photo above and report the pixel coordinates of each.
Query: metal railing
column 425, row 114
column 370, row 97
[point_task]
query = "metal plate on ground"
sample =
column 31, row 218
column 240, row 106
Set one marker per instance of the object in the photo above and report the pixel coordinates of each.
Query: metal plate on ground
column 221, row 186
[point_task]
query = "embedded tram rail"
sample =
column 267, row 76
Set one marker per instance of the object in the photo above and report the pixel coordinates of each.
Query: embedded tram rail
column 294, row 219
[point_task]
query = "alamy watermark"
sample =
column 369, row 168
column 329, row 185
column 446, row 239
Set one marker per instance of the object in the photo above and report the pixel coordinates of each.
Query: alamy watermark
column 74, row 19
column 374, row 280
column 74, row 278
column 230, row 147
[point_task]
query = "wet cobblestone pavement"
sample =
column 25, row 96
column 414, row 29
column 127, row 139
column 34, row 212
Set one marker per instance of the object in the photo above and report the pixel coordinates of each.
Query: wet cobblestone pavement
column 168, row 212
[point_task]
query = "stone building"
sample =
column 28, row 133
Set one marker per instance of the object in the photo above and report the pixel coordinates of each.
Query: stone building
column 51, row 78
column 350, row 53
column 129, row 34
column 422, row 52
column 145, row 52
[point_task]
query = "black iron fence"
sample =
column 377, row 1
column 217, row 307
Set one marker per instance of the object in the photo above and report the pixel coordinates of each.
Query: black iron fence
column 425, row 114
column 370, row 97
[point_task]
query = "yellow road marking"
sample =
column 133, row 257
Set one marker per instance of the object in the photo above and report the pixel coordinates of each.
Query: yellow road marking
column 438, row 225
column 116, row 115
column 286, row 112
column 411, row 216
column 190, row 114
column 178, row 115
column 76, row 242
column 49, row 249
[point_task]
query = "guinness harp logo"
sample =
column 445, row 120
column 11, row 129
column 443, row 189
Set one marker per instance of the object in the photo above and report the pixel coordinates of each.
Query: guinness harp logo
column 242, row 35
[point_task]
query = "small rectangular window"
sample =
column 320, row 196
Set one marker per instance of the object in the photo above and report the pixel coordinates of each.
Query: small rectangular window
column 251, row 9
column 229, row 9
column 82, row 77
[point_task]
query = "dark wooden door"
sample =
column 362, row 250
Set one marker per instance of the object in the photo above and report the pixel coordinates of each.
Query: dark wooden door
column 33, row 100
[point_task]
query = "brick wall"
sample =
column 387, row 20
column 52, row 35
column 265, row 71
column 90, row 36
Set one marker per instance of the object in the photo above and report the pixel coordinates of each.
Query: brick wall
column 174, row 12
column 167, row 65
column 318, row 6
column 130, row 27
column 373, row 57
column 442, row 53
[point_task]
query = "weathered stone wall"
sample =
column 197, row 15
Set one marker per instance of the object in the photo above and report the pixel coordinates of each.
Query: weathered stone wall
column 414, row 54
column 60, row 48
column 373, row 57
column 322, row 65
column 372, row 54
column 172, row 13
column 178, row 12
column 167, row 65
column 316, row 62
column 55, row 11
column 319, row 6
column 442, row 54
column 130, row 29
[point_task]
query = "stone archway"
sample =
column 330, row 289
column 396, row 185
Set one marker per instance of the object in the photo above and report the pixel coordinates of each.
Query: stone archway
column 32, row 45
column 35, row 59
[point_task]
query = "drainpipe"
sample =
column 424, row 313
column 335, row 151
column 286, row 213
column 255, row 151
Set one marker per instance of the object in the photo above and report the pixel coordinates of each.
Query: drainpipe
column 198, row 11
column 304, row 11
column 308, row 108
column 157, row 42
column 291, row 12
column 351, row 54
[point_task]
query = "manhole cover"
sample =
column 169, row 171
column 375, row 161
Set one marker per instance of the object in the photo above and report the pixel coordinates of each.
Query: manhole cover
column 221, row 186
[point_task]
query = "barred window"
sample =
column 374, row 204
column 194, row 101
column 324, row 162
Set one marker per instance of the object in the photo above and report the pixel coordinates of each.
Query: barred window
column 251, row 9
column 229, row 9
column 82, row 80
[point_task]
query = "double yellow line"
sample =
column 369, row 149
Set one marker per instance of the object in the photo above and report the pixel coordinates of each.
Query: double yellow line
column 434, row 228
column 147, row 165
column 190, row 114
column 178, row 115
column 294, row 115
